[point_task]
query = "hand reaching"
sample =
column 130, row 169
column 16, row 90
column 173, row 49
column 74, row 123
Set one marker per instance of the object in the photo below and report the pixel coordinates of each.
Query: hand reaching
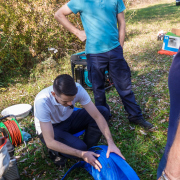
column 89, row 157
column 82, row 35
column 113, row 148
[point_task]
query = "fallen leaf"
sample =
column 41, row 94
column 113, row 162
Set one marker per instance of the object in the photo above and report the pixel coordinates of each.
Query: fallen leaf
column 162, row 121
column 23, row 160
column 142, row 132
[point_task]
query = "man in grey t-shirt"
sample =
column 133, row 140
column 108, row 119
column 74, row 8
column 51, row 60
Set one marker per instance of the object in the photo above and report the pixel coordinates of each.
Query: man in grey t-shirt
column 56, row 122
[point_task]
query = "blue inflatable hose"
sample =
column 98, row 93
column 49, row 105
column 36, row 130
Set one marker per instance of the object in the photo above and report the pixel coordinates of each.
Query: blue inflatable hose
column 113, row 168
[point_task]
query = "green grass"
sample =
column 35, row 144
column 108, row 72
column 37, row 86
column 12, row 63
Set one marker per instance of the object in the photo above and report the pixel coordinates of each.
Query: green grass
column 142, row 149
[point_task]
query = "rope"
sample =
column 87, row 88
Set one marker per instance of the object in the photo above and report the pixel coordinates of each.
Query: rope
column 13, row 129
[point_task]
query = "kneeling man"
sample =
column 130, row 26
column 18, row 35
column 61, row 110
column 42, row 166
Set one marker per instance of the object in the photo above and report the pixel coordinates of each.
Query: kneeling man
column 56, row 122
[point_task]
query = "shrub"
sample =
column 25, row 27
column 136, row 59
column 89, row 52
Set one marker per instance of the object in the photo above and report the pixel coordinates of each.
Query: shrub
column 28, row 29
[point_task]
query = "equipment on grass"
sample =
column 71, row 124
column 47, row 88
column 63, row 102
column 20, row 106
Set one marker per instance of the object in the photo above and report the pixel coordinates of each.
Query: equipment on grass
column 80, row 72
column 18, row 110
column 171, row 42
column 13, row 129
column 113, row 168
column 12, row 172
column 4, row 156
column 169, row 53
column 160, row 35
column 8, row 164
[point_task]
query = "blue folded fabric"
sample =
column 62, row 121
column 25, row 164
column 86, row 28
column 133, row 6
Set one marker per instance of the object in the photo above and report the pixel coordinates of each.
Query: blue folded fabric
column 113, row 168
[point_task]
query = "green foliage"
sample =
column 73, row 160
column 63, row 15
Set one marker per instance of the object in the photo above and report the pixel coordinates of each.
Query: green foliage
column 28, row 28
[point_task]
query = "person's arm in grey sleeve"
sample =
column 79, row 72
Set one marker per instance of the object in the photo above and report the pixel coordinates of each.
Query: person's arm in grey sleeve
column 121, row 28
column 60, row 16
column 172, row 170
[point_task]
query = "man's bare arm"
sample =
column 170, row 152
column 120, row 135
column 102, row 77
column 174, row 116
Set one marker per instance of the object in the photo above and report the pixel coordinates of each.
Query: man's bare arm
column 101, row 122
column 51, row 143
column 60, row 16
column 103, row 126
column 121, row 28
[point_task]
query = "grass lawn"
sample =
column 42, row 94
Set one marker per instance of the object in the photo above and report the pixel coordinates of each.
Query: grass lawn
column 142, row 149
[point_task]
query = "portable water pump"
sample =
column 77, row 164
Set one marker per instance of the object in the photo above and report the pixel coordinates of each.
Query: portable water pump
column 80, row 72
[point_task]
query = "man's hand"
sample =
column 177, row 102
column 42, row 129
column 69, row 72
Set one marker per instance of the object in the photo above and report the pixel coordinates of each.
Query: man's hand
column 89, row 157
column 113, row 148
column 60, row 16
column 81, row 35
column 169, row 176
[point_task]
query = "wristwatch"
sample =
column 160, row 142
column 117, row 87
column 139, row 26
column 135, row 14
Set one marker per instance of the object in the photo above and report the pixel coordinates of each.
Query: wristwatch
column 164, row 176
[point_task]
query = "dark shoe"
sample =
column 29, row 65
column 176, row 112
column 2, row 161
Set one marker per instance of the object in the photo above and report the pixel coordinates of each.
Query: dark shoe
column 57, row 159
column 60, row 161
column 142, row 122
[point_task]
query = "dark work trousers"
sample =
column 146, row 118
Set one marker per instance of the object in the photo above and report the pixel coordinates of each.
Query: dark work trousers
column 120, row 73
column 174, row 117
column 78, row 121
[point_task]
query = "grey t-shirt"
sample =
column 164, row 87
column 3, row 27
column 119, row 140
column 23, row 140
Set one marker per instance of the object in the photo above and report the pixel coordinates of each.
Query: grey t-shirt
column 47, row 109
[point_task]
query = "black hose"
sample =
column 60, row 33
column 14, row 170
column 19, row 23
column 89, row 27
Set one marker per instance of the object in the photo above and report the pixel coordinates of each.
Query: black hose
column 7, row 116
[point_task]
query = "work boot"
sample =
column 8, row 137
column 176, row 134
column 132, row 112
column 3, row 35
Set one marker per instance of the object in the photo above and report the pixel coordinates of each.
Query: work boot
column 60, row 161
column 57, row 158
column 92, row 136
column 142, row 122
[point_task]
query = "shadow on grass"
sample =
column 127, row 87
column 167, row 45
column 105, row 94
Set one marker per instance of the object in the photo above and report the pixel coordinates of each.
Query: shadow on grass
column 154, row 13
column 132, row 33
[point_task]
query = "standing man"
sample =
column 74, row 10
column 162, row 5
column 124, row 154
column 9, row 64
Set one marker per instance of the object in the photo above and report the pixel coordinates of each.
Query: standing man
column 104, row 49
column 56, row 122
column 173, row 135
column 171, row 169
